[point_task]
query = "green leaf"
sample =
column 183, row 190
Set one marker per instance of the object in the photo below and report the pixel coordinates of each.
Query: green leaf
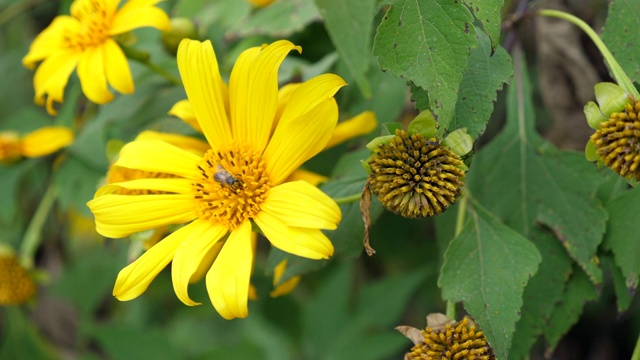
column 339, row 331
column 621, row 235
column 620, row 33
column 21, row 339
column 485, row 76
column 487, row 267
column 121, row 341
column 488, row 13
column 542, row 293
column 527, row 182
column 77, row 182
column 579, row 291
column 427, row 43
column 280, row 19
column 349, row 26
column 624, row 297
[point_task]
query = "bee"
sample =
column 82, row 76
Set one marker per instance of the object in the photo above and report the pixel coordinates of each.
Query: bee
column 223, row 177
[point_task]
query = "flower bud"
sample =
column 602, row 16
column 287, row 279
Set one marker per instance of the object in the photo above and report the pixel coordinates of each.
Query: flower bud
column 181, row 28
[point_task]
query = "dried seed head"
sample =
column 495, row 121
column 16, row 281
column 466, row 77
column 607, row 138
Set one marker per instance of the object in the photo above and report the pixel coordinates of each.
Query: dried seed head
column 456, row 341
column 414, row 176
column 617, row 141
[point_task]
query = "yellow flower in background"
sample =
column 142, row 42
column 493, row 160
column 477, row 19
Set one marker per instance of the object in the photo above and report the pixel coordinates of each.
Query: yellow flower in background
column 260, row 3
column 16, row 285
column 239, row 182
column 41, row 142
column 84, row 40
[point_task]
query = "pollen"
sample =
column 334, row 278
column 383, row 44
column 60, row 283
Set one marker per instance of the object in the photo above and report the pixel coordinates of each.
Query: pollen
column 617, row 141
column 455, row 342
column 232, row 185
column 415, row 177
column 95, row 24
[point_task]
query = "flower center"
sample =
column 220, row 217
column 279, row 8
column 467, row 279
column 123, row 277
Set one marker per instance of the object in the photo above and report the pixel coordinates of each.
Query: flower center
column 617, row 141
column 414, row 176
column 94, row 26
column 232, row 186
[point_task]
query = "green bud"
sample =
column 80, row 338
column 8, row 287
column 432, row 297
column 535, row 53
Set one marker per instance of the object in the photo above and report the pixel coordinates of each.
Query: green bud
column 593, row 114
column 423, row 124
column 181, row 28
column 374, row 144
column 590, row 151
column 611, row 98
column 459, row 142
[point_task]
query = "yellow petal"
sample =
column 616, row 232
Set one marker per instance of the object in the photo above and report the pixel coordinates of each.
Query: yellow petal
column 134, row 279
column 49, row 40
column 46, row 140
column 308, row 176
column 92, row 75
column 204, row 235
column 253, row 92
column 51, row 78
column 117, row 68
column 207, row 261
column 285, row 287
column 300, row 204
column 294, row 142
column 191, row 144
column 178, row 186
column 228, row 279
column 284, row 96
column 183, row 110
column 139, row 13
column 199, row 71
column 309, row 243
column 158, row 156
column 121, row 215
column 260, row 3
column 358, row 125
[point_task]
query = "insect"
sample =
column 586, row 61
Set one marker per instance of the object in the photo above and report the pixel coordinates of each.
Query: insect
column 223, row 177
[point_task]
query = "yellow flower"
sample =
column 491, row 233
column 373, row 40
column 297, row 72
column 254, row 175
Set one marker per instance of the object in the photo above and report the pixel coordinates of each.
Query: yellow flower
column 41, row 142
column 16, row 285
column 239, row 182
column 84, row 40
column 260, row 3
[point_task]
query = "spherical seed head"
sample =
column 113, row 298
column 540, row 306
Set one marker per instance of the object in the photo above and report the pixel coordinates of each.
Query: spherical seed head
column 617, row 141
column 16, row 286
column 458, row 341
column 415, row 177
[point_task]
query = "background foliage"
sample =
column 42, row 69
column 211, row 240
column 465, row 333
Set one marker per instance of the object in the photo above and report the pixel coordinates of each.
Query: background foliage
column 547, row 260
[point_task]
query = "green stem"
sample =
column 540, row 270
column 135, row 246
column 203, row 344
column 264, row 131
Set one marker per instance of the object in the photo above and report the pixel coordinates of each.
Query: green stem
column 347, row 199
column 636, row 351
column 618, row 74
column 143, row 58
column 33, row 235
column 462, row 211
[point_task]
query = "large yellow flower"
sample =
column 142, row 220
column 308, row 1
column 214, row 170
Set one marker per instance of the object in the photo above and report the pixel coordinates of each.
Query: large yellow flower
column 238, row 183
column 83, row 40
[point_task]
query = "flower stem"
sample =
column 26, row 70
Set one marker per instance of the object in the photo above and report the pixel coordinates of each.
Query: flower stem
column 462, row 211
column 347, row 199
column 618, row 74
column 33, row 235
column 636, row 351
column 144, row 58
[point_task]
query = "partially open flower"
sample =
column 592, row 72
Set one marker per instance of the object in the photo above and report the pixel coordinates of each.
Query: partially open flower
column 413, row 173
column 616, row 142
column 446, row 339
column 16, row 285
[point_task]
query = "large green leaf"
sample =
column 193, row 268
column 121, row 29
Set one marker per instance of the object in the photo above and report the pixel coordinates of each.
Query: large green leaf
column 527, row 182
column 624, row 296
column 486, row 74
column 542, row 293
column 427, row 43
column 621, row 35
column 487, row 267
column 488, row 13
column 349, row 24
column 622, row 235
column 579, row 290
